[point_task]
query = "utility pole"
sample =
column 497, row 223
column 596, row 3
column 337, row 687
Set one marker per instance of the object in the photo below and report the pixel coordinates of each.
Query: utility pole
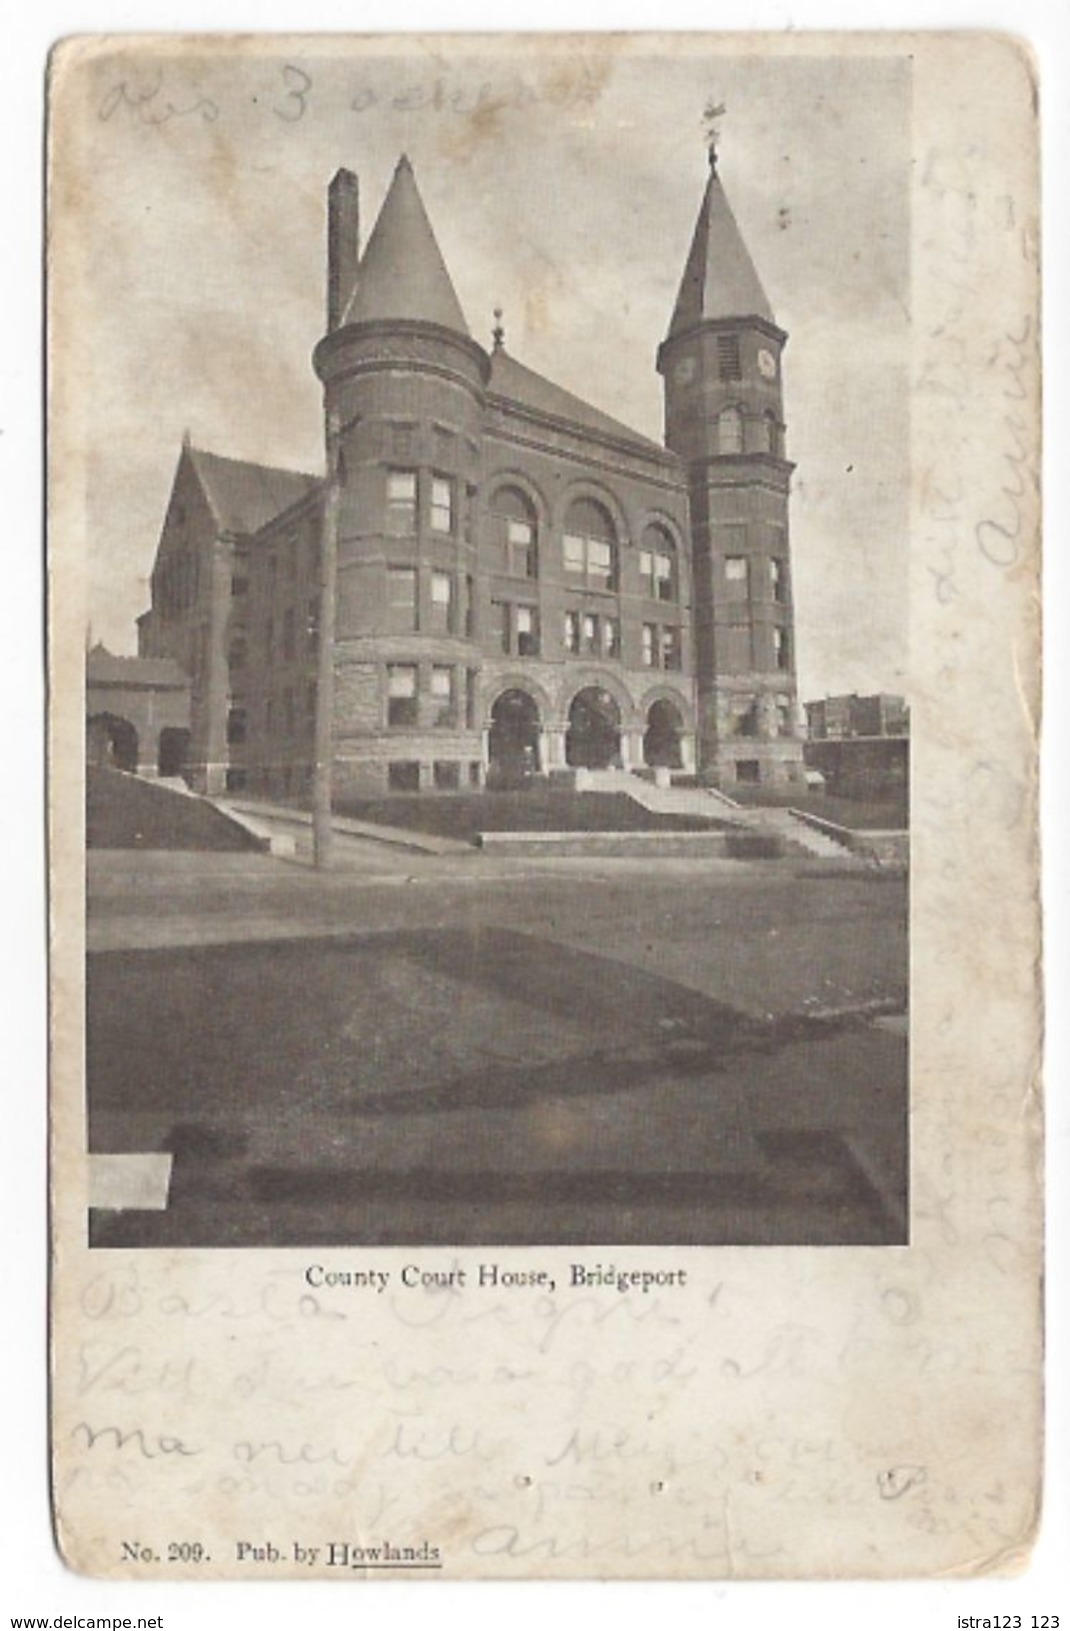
column 322, row 833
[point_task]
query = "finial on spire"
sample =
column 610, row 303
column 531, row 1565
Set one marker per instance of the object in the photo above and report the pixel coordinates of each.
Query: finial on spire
column 498, row 331
column 710, row 115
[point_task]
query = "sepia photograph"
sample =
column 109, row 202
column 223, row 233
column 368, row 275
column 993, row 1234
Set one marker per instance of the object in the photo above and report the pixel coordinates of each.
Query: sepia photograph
column 496, row 697
column 544, row 675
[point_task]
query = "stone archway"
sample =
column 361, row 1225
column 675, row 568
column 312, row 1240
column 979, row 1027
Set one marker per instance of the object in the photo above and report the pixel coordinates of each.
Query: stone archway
column 111, row 742
column 592, row 741
column 663, row 734
column 513, row 739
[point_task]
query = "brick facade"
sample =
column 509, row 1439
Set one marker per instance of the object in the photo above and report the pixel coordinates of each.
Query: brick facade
column 522, row 583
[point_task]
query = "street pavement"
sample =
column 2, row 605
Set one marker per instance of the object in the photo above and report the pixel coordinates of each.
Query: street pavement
column 453, row 1049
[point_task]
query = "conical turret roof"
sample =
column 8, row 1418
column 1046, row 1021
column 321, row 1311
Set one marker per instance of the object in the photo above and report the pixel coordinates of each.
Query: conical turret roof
column 719, row 278
column 402, row 273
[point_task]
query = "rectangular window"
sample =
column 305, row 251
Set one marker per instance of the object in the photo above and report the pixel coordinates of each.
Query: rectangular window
column 589, row 633
column 656, row 571
column 239, row 586
column 502, row 618
column 442, row 692
column 599, row 563
column 782, row 648
column 447, row 774
column 401, row 694
column 237, row 726
column 778, row 580
column 403, row 776
column 401, row 501
column 748, row 770
column 519, row 549
column 401, row 597
column 572, row 631
column 783, row 716
column 527, row 631
column 469, row 606
column 470, row 698
column 441, row 602
column 441, row 504
column 737, row 577
column 649, row 645
column 610, row 637
column 670, row 648
column 575, row 554
column 728, row 358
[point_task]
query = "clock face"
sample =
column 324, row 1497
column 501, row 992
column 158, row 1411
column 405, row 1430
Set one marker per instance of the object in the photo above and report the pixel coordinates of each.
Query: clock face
column 684, row 371
column 767, row 364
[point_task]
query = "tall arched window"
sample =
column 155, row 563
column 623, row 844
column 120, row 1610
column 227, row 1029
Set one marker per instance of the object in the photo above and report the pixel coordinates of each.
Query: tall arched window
column 590, row 546
column 515, row 540
column 730, row 431
column 657, row 564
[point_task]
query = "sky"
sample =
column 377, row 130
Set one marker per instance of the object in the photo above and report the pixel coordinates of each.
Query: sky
column 562, row 186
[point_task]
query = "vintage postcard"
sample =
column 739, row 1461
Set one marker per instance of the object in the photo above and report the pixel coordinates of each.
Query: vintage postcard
column 544, row 542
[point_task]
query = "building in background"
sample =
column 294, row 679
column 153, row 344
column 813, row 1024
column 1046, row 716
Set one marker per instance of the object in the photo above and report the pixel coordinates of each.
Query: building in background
column 524, row 585
column 860, row 744
column 882, row 714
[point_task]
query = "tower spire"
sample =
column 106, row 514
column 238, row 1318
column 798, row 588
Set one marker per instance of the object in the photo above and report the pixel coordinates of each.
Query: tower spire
column 402, row 274
column 720, row 280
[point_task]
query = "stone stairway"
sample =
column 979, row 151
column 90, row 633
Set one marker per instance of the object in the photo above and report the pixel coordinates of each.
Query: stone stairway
column 716, row 806
column 799, row 833
column 700, row 801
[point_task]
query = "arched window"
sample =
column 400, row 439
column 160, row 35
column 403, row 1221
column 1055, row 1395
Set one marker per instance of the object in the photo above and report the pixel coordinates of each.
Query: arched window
column 515, row 541
column 730, row 431
column 657, row 565
column 590, row 546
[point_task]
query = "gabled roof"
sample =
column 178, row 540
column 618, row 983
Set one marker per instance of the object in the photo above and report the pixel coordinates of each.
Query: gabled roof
column 402, row 273
column 719, row 278
column 510, row 379
column 243, row 497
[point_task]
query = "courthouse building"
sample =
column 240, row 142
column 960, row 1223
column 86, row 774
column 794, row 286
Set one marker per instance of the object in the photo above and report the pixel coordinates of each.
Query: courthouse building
column 524, row 585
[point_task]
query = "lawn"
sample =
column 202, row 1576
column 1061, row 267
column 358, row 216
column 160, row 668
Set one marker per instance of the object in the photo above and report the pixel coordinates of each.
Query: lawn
column 536, row 809
column 125, row 813
column 890, row 814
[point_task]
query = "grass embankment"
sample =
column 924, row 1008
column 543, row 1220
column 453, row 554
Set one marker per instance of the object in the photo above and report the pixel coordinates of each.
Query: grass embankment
column 125, row 813
column 537, row 809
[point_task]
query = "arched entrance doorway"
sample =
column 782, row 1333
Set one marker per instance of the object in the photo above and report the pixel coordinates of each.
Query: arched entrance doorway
column 593, row 738
column 661, row 739
column 514, row 738
column 111, row 742
column 173, row 751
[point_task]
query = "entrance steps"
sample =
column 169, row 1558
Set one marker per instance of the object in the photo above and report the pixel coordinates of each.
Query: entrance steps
column 699, row 801
column 790, row 829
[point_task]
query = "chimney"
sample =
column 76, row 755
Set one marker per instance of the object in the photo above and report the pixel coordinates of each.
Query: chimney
column 343, row 244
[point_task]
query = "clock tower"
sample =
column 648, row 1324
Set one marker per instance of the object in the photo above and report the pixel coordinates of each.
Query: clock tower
column 724, row 415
